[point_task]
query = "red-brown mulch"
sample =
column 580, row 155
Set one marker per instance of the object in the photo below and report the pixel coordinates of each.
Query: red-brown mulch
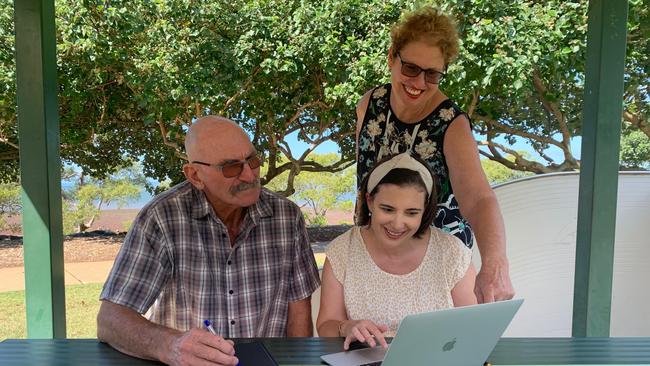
column 103, row 246
column 77, row 249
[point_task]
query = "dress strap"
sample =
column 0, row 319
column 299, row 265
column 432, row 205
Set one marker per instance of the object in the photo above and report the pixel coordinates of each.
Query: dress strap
column 394, row 147
column 413, row 136
column 382, row 149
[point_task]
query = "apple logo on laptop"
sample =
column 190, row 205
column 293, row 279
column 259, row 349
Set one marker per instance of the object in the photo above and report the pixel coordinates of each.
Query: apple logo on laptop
column 449, row 345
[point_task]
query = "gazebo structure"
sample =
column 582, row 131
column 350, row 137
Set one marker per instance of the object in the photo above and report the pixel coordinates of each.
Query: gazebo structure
column 40, row 167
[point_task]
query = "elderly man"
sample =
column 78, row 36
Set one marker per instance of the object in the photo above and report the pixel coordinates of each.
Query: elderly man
column 216, row 247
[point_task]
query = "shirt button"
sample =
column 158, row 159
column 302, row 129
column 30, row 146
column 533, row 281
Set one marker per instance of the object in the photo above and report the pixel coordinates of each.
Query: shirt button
column 231, row 292
column 229, row 262
column 232, row 322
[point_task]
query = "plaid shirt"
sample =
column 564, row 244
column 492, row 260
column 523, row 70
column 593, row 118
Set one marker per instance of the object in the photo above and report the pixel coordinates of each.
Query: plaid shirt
column 177, row 262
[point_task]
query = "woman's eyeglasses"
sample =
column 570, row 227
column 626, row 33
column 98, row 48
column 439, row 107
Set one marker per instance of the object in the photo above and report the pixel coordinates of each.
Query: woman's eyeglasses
column 431, row 76
column 234, row 169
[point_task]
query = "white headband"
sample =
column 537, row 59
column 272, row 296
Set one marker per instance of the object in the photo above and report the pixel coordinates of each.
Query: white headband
column 405, row 161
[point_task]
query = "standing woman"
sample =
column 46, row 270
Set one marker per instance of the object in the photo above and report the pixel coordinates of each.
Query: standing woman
column 412, row 114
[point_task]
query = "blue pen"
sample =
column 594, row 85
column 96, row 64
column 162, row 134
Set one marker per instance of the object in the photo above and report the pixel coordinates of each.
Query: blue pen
column 208, row 326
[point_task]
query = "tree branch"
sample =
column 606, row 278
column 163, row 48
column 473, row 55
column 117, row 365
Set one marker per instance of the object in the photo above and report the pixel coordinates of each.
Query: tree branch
column 241, row 90
column 541, row 90
column 311, row 166
column 5, row 140
column 197, row 109
column 299, row 110
column 520, row 163
column 557, row 113
column 509, row 130
column 166, row 141
column 290, row 182
column 473, row 103
column 637, row 122
column 493, row 126
column 103, row 106
column 544, row 156
column 334, row 137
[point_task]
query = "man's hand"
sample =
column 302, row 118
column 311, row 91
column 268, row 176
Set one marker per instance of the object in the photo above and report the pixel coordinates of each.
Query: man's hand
column 493, row 281
column 200, row 347
column 363, row 331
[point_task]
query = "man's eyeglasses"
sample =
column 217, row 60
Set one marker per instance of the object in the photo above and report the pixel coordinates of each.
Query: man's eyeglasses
column 431, row 76
column 234, row 169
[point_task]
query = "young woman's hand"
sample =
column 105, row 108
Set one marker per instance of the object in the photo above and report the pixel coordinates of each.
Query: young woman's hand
column 363, row 331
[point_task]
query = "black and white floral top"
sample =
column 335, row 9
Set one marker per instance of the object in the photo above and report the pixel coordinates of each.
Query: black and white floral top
column 383, row 134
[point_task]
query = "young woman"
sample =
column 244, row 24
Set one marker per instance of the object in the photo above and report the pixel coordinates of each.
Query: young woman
column 395, row 263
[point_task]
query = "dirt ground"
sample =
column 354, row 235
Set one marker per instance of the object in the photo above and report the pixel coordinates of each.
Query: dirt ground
column 102, row 246
column 90, row 249
column 103, row 243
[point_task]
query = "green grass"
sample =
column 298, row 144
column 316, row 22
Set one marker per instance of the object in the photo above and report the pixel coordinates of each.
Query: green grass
column 82, row 305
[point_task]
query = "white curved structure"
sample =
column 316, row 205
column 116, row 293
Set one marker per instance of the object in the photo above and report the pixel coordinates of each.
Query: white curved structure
column 540, row 214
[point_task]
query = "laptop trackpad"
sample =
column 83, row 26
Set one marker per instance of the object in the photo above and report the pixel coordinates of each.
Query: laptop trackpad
column 356, row 357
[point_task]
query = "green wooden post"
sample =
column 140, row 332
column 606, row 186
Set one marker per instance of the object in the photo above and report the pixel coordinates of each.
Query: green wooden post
column 601, row 132
column 40, row 167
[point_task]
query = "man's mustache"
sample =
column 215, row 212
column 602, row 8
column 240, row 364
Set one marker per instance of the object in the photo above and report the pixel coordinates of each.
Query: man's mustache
column 245, row 186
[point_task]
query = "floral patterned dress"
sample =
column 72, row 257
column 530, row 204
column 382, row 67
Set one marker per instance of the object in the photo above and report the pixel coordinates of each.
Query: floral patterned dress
column 383, row 134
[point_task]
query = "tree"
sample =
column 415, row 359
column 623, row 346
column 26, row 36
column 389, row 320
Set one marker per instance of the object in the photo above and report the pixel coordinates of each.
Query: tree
column 8, row 125
column 276, row 67
column 320, row 192
column 133, row 75
column 83, row 202
column 635, row 150
column 498, row 173
column 522, row 76
column 9, row 206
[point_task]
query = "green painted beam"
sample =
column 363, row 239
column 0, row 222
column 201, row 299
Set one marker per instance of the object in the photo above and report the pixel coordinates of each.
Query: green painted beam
column 601, row 131
column 40, row 167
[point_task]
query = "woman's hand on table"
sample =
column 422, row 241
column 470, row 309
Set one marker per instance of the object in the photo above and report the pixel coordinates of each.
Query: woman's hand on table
column 364, row 331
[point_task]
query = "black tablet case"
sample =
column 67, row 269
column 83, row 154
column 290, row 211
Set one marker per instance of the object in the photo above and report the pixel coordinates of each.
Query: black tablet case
column 254, row 354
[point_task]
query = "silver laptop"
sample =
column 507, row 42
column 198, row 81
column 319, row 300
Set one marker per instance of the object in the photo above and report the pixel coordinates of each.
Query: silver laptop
column 463, row 336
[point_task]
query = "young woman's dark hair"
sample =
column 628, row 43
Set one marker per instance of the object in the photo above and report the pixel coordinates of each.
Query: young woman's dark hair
column 403, row 178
